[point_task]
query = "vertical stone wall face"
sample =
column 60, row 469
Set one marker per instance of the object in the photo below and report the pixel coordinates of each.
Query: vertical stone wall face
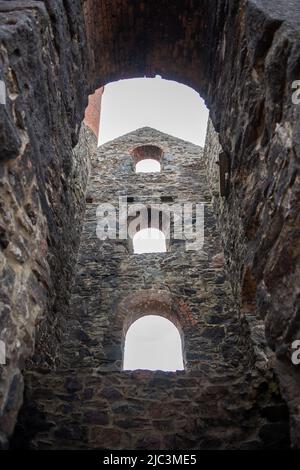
column 96, row 409
column 218, row 402
column 98, row 312
column 230, row 227
column 42, row 183
column 258, row 126
column 246, row 73
column 53, row 54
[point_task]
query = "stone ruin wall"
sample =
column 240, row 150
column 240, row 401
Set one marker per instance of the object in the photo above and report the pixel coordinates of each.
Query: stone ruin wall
column 218, row 402
column 52, row 56
column 94, row 409
column 122, row 272
column 256, row 301
column 42, row 185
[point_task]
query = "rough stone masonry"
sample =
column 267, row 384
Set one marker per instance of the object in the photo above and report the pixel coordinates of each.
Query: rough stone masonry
column 243, row 57
column 227, row 397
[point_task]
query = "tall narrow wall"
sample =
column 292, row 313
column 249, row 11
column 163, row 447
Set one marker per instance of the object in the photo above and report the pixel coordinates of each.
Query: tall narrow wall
column 223, row 399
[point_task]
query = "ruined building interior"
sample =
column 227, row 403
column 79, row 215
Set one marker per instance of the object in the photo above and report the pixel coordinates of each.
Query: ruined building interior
column 69, row 296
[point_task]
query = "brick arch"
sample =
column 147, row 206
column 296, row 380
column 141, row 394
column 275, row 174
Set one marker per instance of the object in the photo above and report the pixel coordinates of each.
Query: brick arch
column 147, row 151
column 126, row 46
column 242, row 56
column 152, row 302
column 157, row 217
column 154, row 216
column 132, row 39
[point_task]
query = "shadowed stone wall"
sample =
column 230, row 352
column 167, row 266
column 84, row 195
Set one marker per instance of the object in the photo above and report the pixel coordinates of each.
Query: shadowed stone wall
column 242, row 55
column 42, row 183
column 226, row 397
column 267, row 220
column 108, row 272
column 96, row 409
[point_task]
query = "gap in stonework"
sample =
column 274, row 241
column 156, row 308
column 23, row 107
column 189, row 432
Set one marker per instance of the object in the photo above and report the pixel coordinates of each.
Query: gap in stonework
column 153, row 343
column 165, row 105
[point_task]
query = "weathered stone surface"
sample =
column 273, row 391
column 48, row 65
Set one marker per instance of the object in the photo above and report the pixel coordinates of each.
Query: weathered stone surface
column 42, row 180
column 205, row 406
column 243, row 57
column 129, row 281
column 212, row 416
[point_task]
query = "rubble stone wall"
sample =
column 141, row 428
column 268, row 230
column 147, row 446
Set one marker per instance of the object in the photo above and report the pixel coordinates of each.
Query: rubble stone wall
column 92, row 409
column 97, row 405
column 242, row 56
column 42, row 185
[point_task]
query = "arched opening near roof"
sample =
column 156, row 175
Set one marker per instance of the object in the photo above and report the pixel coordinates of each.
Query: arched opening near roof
column 147, row 158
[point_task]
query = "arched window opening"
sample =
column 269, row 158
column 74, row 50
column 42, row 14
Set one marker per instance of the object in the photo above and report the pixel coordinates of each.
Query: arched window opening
column 153, row 343
column 147, row 158
column 134, row 103
column 148, row 166
column 149, row 240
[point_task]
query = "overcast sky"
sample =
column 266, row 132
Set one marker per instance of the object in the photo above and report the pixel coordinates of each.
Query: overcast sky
column 162, row 104
column 152, row 342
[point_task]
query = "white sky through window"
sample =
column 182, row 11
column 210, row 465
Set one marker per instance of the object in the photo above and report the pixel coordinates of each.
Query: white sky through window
column 165, row 105
column 149, row 240
column 149, row 165
column 153, row 343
